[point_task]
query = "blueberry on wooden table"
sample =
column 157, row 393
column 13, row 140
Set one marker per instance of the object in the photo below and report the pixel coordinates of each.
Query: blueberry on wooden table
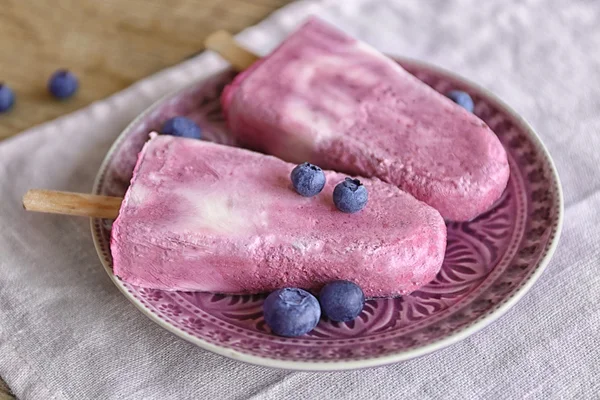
column 63, row 84
column 7, row 98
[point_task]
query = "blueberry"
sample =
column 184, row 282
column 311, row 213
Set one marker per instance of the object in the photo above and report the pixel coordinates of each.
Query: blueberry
column 342, row 300
column 182, row 127
column 7, row 98
column 63, row 84
column 462, row 99
column 291, row 312
column 350, row 196
column 308, row 179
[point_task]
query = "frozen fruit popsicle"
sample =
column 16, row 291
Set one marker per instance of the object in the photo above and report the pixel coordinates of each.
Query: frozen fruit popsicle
column 200, row 216
column 329, row 99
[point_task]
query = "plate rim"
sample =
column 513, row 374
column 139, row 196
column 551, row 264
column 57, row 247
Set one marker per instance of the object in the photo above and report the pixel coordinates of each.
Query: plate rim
column 477, row 325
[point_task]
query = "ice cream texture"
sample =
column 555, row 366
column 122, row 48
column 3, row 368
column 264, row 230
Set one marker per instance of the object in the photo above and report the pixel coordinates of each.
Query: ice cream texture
column 199, row 216
column 334, row 101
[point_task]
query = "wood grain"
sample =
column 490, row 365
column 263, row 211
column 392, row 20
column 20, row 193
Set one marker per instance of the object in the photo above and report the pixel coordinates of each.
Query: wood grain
column 109, row 44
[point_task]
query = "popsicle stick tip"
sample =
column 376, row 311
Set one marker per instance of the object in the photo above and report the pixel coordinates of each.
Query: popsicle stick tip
column 32, row 197
column 223, row 43
column 27, row 198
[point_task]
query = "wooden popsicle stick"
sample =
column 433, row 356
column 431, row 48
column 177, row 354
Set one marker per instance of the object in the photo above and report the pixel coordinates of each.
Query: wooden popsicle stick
column 224, row 43
column 68, row 203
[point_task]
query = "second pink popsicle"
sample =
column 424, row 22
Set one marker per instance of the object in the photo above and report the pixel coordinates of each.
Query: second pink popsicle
column 329, row 99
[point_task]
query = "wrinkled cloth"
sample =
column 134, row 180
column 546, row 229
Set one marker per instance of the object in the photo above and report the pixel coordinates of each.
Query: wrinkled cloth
column 66, row 332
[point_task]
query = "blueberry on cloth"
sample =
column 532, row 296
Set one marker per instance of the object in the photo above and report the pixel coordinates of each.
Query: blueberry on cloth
column 182, row 127
column 291, row 312
column 7, row 98
column 462, row 99
column 63, row 84
column 341, row 300
column 308, row 179
column 350, row 196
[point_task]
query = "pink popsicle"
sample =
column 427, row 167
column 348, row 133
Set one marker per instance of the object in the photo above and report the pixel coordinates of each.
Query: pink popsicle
column 327, row 98
column 200, row 216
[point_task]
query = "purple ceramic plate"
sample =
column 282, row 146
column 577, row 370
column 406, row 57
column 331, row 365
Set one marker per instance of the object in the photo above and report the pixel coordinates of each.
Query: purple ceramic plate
column 490, row 262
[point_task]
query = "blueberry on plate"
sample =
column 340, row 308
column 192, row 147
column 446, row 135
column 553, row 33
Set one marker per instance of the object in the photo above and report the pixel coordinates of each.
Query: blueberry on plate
column 308, row 179
column 63, row 84
column 341, row 300
column 462, row 99
column 182, row 127
column 291, row 312
column 350, row 196
column 7, row 98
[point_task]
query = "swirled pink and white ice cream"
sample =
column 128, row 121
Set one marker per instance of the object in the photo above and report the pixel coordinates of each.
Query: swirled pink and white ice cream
column 200, row 216
column 329, row 99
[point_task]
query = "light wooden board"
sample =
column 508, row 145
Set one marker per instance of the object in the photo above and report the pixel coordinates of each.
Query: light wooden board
column 109, row 44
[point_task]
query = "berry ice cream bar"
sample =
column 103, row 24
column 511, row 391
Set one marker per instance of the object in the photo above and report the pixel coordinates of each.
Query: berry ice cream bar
column 200, row 216
column 329, row 99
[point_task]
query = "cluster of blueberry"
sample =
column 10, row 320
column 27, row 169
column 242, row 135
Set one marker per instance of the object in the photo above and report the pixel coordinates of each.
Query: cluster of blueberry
column 293, row 312
column 349, row 196
column 62, row 85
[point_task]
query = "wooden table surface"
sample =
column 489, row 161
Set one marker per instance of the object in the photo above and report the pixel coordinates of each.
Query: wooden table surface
column 108, row 44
